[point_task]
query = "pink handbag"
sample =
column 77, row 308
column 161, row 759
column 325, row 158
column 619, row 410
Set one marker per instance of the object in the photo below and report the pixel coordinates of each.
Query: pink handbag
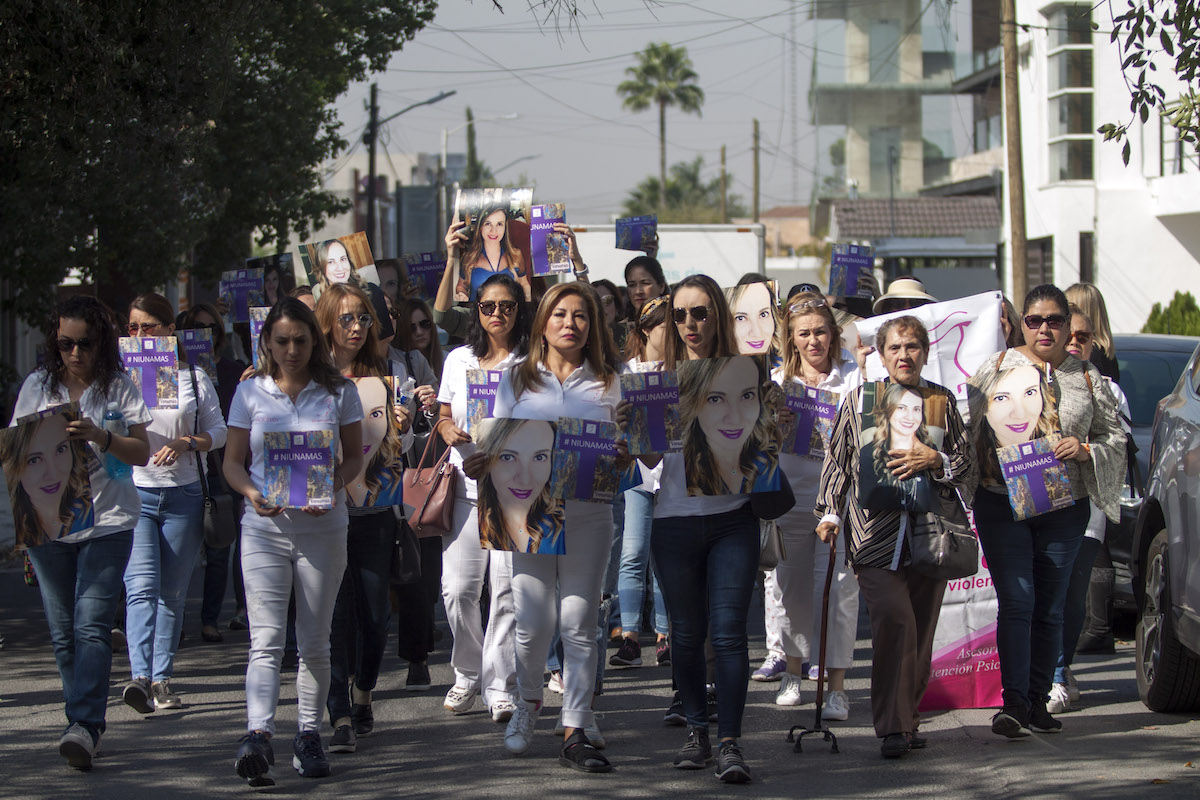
column 429, row 491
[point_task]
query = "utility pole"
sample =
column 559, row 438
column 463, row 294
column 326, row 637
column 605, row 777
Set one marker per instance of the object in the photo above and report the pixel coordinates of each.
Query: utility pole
column 756, row 169
column 370, row 135
column 1012, row 144
column 724, row 215
column 892, row 158
column 795, row 115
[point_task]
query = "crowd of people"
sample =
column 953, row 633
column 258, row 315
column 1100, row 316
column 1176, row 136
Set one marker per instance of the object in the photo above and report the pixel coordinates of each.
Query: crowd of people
column 664, row 563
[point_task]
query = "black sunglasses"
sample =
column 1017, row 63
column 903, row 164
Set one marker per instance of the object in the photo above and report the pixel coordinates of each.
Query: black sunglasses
column 699, row 313
column 347, row 320
column 424, row 324
column 66, row 345
column 488, row 307
column 1054, row 321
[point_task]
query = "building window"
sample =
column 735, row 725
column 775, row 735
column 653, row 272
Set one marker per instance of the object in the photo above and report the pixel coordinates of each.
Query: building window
column 1039, row 261
column 884, row 42
column 1087, row 257
column 1071, row 118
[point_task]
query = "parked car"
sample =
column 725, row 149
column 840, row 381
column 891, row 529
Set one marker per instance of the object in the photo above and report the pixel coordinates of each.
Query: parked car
column 1166, row 552
column 1150, row 368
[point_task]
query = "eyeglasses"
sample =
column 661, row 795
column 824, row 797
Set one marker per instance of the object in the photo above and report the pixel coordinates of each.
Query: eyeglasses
column 806, row 305
column 488, row 308
column 427, row 324
column 347, row 320
column 699, row 313
column 147, row 328
column 66, row 345
column 1083, row 337
column 1054, row 321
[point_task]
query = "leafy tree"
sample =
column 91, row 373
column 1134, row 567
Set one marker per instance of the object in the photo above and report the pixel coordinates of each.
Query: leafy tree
column 837, row 159
column 477, row 173
column 1181, row 317
column 689, row 198
column 663, row 77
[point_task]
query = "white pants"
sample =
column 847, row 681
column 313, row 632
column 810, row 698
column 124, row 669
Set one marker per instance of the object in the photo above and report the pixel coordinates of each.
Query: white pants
column 801, row 585
column 480, row 659
column 272, row 565
column 579, row 577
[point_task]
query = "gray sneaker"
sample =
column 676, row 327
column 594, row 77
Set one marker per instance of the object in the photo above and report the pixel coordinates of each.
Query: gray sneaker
column 137, row 695
column 77, row 746
column 163, row 696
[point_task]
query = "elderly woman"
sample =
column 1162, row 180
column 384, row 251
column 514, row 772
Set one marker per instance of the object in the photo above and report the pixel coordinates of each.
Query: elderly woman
column 903, row 603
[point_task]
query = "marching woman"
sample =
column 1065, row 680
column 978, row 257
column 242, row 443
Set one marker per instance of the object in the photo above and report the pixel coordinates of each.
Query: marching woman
column 80, row 574
column 571, row 371
column 813, row 357
column 295, row 388
column 360, row 615
column 484, row 662
column 169, row 534
column 1031, row 559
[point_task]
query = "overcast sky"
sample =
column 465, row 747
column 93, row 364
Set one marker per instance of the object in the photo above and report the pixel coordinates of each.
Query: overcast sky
column 590, row 151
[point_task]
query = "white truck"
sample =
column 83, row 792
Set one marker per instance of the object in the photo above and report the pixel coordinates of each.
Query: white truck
column 723, row 252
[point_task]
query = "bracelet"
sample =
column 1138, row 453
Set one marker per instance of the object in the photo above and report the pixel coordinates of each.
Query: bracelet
column 579, row 272
column 107, row 442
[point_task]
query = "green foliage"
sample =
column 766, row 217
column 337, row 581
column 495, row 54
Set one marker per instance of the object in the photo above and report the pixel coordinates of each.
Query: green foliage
column 1181, row 317
column 137, row 136
column 477, row 173
column 690, row 198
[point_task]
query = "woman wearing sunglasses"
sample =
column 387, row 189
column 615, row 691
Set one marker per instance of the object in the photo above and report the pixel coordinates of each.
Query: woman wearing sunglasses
column 170, row 532
column 484, row 661
column 1031, row 560
column 358, row 634
column 79, row 575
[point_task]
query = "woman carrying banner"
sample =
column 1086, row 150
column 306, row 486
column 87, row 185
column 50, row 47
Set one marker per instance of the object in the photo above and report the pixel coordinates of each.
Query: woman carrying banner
column 903, row 604
column 80, row 574
column 168, row 537
column 484, row 662
column 571, row 372
column 812, row 357
column 295, row 388
column 1031, row 560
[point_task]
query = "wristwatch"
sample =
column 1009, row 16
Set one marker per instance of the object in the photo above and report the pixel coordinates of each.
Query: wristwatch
column 191, row 440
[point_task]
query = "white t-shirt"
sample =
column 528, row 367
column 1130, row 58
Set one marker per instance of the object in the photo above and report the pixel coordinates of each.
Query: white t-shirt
column 454, row 391
column 116, row 503
column 260, row 405
column 168, row 424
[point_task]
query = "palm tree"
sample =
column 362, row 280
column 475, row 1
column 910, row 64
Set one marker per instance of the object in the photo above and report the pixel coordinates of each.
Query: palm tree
column 662, row 76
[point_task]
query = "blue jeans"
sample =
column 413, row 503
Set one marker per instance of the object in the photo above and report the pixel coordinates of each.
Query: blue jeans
column 1076, row 605
column 1031, row 563
column 707, row 567
column 635, row 558
column 614, row 567
column 81, row 590
column 166, row 542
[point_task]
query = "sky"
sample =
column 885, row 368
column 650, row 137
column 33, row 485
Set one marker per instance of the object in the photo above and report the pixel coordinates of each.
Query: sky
column 588, row 151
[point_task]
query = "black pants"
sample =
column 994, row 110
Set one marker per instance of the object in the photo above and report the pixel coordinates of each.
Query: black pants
column 417, row 601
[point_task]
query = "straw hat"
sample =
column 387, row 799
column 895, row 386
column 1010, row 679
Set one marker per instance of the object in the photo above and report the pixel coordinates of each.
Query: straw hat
column 904, row 289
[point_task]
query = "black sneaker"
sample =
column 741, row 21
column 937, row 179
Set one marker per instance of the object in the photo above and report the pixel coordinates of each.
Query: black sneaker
column 255, row 759
column 418, row 679
column 731, row 767
column 344, row 740
column 696, row 752
column 662, row 653
column 629, row 654
column 710, row 698
column 895, row 745
column 363, row 718
column 675, row 715
column 1011, row 721
column 308, row 757
column 1040, row 720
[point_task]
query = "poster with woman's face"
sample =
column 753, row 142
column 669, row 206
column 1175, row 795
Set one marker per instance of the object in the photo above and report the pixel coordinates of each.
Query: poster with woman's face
column 516, row 510
column 346, row 259
column 476, row 206
column 48, row 476
column 279, row 276
column 730, row 438
column 897, row 418
column 381, row 481
column 1019, row 407
column 755, row 317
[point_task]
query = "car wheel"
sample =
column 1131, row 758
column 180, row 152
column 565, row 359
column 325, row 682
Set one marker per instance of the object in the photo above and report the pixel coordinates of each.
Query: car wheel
column 1168, row 674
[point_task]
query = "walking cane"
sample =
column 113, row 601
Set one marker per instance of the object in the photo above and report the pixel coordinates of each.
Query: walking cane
column 817, row 727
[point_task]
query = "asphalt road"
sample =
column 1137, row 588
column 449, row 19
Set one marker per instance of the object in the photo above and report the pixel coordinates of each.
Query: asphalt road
column 1113, row 747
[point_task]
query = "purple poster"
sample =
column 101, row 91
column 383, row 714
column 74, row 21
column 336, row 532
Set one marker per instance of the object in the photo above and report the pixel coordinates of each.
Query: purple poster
column 299, row 468
column 241, row 290
column 198, row 347
column 637, row 233
column 585, row 461
column 814, row 410
column 847, row 263
column 154, row 367
column 425, row 272
column 481, row 397
column 654, row 422
column 1037, row 481
column 549, row 251
column 257, row 317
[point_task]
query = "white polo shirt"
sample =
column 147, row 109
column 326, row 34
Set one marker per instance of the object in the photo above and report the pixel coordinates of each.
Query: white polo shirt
column 116, row 503
column 582, row 395
column 168, row 424
column 260, row 405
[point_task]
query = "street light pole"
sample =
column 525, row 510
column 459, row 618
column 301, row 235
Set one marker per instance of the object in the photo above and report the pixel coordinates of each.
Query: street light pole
column 442, row 223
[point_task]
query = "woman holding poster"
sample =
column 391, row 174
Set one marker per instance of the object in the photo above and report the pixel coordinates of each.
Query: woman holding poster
column 298, row 392
column 813, row 357
column 903, row 603
column 170, row 532
column 484, row 661
column 1031, row 559
column 79, row 573
column 361, row 611
column 571, row 372
column 489, row 251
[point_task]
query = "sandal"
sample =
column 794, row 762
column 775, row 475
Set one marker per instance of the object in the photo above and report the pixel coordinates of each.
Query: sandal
column 578, row 753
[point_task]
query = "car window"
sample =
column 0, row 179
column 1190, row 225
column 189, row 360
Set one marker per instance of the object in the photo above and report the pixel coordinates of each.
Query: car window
column 1147, row 377
column 1196, row 376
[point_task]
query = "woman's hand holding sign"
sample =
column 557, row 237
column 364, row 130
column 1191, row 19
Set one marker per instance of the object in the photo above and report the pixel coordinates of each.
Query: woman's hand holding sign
column 907, row 463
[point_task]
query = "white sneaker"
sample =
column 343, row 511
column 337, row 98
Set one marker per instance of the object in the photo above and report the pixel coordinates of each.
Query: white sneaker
column 1060, row 699
column 814, row 672
column 789, row 690
column 555, row 683
column 77, row 747
column 502, row 710
column 519, row 733
column 837, row 706
column 460, row 699
column 591, row 731
column 1072, row 686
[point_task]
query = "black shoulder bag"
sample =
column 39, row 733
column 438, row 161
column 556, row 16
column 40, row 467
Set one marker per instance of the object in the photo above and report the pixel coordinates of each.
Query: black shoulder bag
column 220, row 525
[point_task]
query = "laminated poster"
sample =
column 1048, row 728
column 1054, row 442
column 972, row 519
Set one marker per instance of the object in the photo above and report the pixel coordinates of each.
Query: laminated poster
column 1037, row 481
column 241, row 290
column 279, row 276
column 654, row 423
column 299, row 468
column 637, row 233
column 474, row 205
column 585, row 461
column 848, row 262
column 346, row 259
column 815, row 410
column 153, row 365
column 549, row 251
column 258, row 316
column 425, row 272
column 381, row 481
column 894, row 417
column 516, row 511
column 198, row 346
column 755, row 311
